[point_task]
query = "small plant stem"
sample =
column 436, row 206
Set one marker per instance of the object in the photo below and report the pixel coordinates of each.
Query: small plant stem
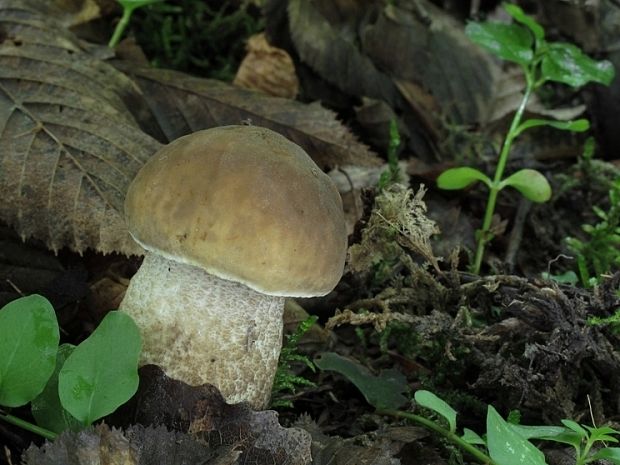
column 47, row 434
column 120, row 27
column 455, row 439
column 495, row 187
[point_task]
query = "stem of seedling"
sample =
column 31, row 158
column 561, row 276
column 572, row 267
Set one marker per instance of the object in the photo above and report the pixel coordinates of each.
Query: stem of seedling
column 454, row 438
column 47, row 434
column 128, row 8
column 484, row 234
column 121, row 26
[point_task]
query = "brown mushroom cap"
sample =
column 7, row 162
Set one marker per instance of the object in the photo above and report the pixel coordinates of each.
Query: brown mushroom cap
column 245, row 204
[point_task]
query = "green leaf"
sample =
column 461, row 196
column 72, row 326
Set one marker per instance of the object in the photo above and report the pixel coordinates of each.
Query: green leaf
column 517, row 13
column 530, row 432
column 579, row 125
column 382, row 392
column 508, row 41
column 46, row 407
column 102, row 372
column 531, row 183
column 431, row 401
column 133, row 4
column 567, row 437
column 471, row 437
column 602, row 433
column 566, row 63
column 607, row 453
column 506, row 446
column 28, row 342
column 576, row 427
column 461, row 177
column 568, row 277
column 601, row 430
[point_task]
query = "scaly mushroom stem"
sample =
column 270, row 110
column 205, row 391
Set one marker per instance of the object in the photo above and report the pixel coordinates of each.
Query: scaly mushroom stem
column 203, row 329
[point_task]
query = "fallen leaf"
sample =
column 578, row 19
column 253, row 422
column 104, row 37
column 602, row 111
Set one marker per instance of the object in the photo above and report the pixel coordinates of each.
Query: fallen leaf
column 376, row 448
column 440, row 70
column 180, row 104
column 137, row 445
column 334, row 55
column 69, row 147
column 75, row 12
column 202, row 411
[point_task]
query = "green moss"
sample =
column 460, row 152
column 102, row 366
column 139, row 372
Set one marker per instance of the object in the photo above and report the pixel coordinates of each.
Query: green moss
column 203, row 38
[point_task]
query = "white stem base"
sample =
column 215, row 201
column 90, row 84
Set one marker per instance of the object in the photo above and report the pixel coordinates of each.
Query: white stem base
column 202, row 329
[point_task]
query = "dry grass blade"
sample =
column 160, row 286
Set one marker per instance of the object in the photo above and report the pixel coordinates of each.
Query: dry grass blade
column 68, row 146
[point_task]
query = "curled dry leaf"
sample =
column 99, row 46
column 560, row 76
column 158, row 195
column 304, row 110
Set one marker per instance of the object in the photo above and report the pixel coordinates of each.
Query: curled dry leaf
column 267, row 69
column 76, row 12
column 202, row 411
column 136, row 445
column 68, row 145
column 180, row 104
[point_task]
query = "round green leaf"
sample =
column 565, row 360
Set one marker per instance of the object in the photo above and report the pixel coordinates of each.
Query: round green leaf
column 531, row 183
column 508, row 41
column 102, row 372
column 566, row 63
column 28, row 342
column 46, row 408
column 460, row 178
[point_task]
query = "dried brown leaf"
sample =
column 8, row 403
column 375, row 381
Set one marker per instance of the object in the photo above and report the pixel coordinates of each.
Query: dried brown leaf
column 180, row 104
column 334, row 55
column 440, row 70
column 68, row 145
column 103, row 445
column 377, row 448
column 75, row 12
column 267, row 69
column 202, row 411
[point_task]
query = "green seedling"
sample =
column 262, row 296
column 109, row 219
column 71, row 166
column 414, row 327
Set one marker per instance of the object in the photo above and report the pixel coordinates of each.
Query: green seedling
column 68, row 387
column 129, row 6
column 385, row 390
column 523, row 42
column 503, row 443
column 600, row 253
column 392, row 174
column 285, row 379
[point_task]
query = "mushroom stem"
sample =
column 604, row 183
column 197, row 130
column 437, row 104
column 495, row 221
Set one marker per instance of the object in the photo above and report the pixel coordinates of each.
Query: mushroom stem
column 203, row 329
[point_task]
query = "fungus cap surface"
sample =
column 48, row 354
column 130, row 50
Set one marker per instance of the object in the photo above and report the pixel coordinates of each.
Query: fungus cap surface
column 245, row 204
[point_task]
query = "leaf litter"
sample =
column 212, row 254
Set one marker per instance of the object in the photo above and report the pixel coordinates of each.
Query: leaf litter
column 536, row 345
column 69, row 147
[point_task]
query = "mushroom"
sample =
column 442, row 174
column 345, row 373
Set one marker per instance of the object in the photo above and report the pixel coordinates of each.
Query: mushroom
column 233, row 219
